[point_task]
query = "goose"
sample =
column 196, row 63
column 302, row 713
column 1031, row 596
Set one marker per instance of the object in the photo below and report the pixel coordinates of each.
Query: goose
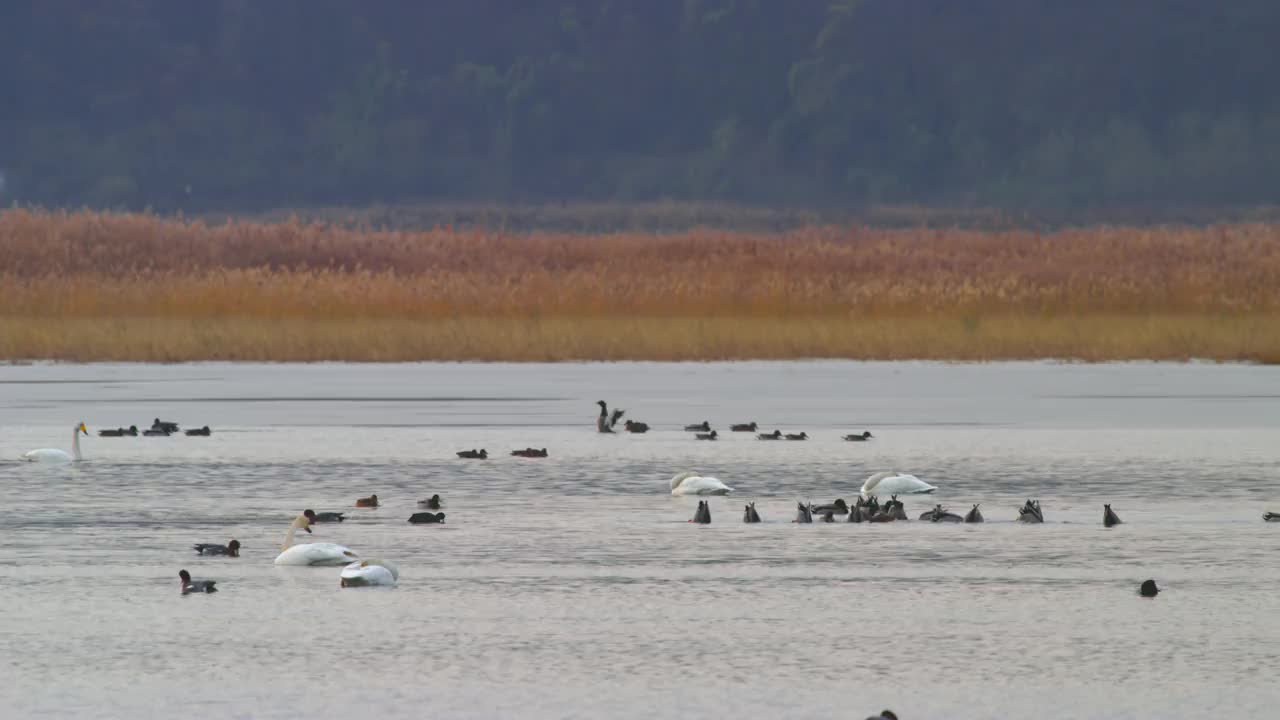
column 325, row 517
column 131, row 431
column 895, row 483
column 159, row 424
column 312, row 553
column 231, row 549
column 426, row 518
column 1148, row 589
column 707, row 436
column 865, row 436
column 691, row 483
column 797, row 436
column 974, row 515
column 744, row 427
column 196, row 586
column 703, row 426
column 369, row 502
column 1271, row 517
column 838, row 506
column 605, row 422
column 473, row 454
column 702, row 515
column 369, row 573
column 1109, row 517
column 530, row 453
column 749, row 514
column 432, row 503
column 200, row 432
column 53, row 455
column 638, row 428
column 156, row 432
column 775, row 435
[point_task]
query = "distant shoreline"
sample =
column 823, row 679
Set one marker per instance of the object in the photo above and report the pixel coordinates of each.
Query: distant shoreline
column 84, row 286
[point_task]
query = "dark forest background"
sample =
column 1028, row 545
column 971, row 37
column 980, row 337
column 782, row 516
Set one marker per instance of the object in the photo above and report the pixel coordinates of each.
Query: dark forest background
column 247, row 105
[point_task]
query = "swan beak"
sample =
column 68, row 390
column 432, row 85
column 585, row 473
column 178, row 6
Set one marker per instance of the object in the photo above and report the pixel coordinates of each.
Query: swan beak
column 307, row 528
column 83, row 429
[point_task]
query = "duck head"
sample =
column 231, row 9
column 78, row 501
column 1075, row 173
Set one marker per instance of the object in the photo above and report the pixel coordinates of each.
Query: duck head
column 186, row 577
column 233, row 548
column 1148, row 589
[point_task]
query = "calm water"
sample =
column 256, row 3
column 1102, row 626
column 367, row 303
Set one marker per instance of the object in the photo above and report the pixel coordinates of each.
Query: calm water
column 573, row 587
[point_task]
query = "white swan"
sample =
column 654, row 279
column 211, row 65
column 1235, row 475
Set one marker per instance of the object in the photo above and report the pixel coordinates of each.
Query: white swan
column 895, row 483
column 53, row 455
column 312, row 553
column 691, row 483
column 370, row 572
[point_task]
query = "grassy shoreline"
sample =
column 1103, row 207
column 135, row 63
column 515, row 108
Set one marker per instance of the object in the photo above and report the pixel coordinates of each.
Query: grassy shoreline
column 94, row 286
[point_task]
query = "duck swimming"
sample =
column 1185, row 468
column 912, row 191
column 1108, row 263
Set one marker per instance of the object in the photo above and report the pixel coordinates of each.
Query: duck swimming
column 895, row 483
column 702, row 515
column 54, row 455
column 938, row 514
column 369, row 573
column 605, row 422
column 895, row 508
column 231, row 549
column 159, row 424
column 743, row 427
column 703, row 426
column 432, row 503
column 157, row 432
column 325, row 517
column 1148, row 589
column 691, row 483
column 749, row 514
column 531, row 452
column 196, row 586
column 480, row 454
column 866, row 435
column 131, row 431
column 974, row 515
column 199, row 432
column 312, row 553
column 424, row 518
column 838, row 506
column 371, row 501
column 1109, row 518
column 638, row 428
column 1271, row 517
column 797, row 436
column 707, row 436
column 775, row 435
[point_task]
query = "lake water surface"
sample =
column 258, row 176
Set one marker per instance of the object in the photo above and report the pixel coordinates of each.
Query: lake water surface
column 573, row 586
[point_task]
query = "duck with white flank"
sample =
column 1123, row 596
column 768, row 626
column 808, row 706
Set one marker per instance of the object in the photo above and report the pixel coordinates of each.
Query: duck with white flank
column 195, row 586
column 231, row 549
column 865, row 436
column 707, row 436
column 775, row 435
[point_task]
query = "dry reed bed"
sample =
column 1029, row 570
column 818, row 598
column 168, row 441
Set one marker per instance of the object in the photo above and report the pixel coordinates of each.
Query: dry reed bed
column 248, row 290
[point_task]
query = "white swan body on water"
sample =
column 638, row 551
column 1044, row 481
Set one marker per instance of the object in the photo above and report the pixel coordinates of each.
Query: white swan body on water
column 691, row 483
column 895, row 483
column 53, row 455
column 372, row 572
column 312, row 553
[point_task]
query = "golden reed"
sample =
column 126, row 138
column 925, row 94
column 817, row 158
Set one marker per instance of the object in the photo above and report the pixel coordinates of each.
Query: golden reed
column 102, row 286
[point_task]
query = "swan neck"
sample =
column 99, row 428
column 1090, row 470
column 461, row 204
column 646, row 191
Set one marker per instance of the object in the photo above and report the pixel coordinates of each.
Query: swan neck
column 75, row 443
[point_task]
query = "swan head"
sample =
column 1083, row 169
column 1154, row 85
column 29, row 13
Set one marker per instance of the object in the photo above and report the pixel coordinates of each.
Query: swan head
column 310, row 517
column 82, row 428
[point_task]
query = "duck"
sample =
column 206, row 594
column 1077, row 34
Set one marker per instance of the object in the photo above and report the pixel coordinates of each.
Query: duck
column 744, row 427
column 797, row 436
column 325, row 517
column 895, row 483
column 605, row 422
column 702, row 515
column 432, row 503
column 54, row 455
column 369, row 573
column 865, row 436
column 1148, row 589
column 703, row 426
column 231, row 549
column 749, row 514
column 159, row 424
column 426, row 518
column 804, row 513
column 938, row 514
column 156, row 432
column 473, row 454
column 707, row 436
column 196, row 586
column 974, row 515
column 895, row 508
column 312, row 553
column 530, row 453
column 858, row 513
column 1271, row 517
column 693, row 483
column 131, row 431
column 838, row 506
column 633, row 426
column 1031, row 513
column 884, row 715
column 1109, row 517
column 199, row 432
column 775, row 435
column 370, row 502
